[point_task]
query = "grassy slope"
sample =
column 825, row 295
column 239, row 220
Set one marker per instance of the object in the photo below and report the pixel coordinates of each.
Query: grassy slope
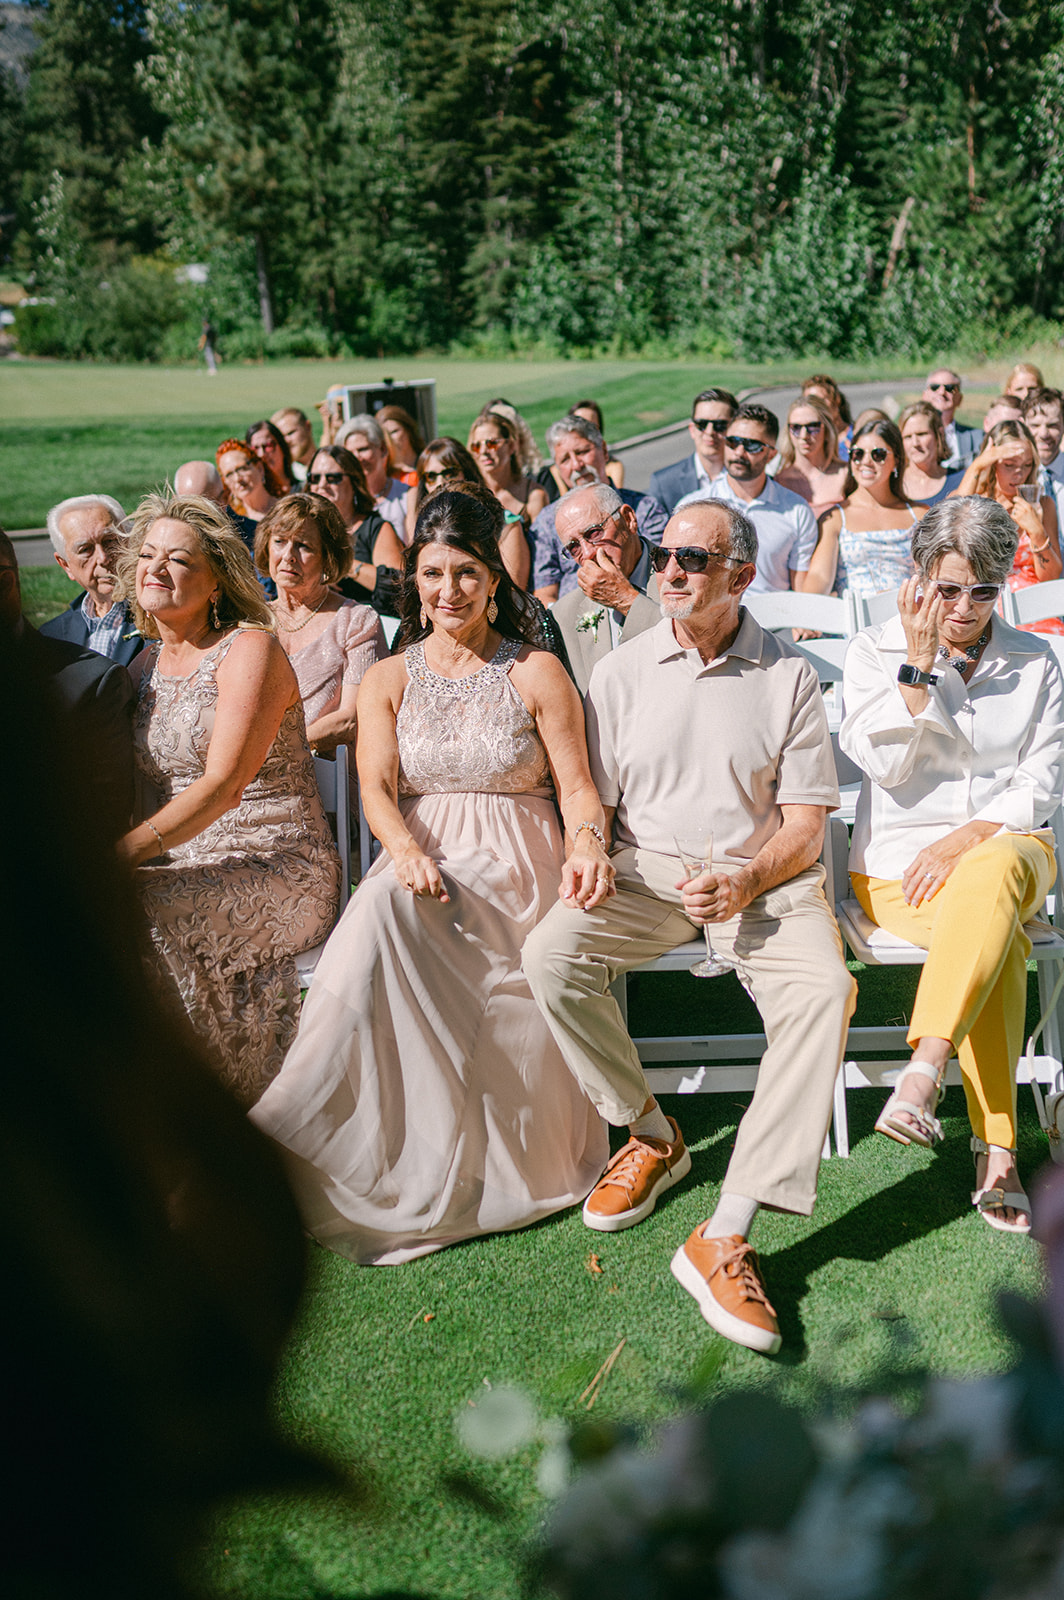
column 66, row 429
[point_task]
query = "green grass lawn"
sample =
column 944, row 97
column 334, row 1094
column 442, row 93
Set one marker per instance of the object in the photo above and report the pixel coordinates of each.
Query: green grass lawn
column 894, row 1271
column 69, row 429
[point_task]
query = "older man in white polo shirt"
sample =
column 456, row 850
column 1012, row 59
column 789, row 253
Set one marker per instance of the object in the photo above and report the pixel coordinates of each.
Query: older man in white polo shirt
column 786, row 528
column 705, row 722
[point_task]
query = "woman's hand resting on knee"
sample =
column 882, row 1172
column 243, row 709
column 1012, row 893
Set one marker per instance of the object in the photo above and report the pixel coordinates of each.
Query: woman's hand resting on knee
column 927, row 872
column 419, row 873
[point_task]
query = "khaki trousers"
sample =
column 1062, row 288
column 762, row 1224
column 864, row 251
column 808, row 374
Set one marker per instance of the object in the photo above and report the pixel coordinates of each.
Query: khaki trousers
column 788, row 953
column 973, row 987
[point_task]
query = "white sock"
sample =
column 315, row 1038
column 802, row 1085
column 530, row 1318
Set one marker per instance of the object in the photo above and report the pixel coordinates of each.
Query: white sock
column 653, row 1124
column 735, row 1213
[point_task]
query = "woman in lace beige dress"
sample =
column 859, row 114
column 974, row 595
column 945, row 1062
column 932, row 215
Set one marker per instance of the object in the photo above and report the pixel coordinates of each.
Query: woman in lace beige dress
column 236, row 869
column 424, row 1100
column 303, row 545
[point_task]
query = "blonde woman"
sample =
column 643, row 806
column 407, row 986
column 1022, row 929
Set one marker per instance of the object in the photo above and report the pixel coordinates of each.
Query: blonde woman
column 235, row 865
column 810, row 455
column 1006, row 470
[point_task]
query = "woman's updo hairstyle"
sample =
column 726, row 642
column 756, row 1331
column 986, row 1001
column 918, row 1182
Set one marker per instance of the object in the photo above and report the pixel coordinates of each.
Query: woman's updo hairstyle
column 469, row 519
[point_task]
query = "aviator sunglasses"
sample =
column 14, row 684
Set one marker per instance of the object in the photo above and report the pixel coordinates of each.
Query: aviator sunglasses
column 688, row 557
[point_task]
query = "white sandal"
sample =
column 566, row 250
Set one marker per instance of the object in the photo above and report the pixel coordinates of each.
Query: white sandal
column 988, row 1200
column 924, row 1128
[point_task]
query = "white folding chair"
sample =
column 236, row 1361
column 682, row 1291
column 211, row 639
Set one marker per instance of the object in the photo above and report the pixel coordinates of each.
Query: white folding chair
column 1024, row 606
column 332, row 781
column 867, row 610
column 791, row 608
column 877, row 948
column 391, row 628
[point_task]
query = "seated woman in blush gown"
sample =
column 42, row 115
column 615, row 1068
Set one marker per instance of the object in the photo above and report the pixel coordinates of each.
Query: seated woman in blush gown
column 424, row 1100
column 235, row 866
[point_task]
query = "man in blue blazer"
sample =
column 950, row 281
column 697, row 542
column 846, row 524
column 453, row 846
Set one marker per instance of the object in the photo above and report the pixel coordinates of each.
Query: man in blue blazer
column 87, row 534
column 710, row 415
column 943, row 390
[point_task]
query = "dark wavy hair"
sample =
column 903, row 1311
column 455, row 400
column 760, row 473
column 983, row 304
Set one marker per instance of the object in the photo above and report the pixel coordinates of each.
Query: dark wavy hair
column 279, row 439
column 468, row 519
column 453, row 455
column 888, row 432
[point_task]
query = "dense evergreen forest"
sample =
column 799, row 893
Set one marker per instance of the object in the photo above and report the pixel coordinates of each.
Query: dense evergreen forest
column 738, row 177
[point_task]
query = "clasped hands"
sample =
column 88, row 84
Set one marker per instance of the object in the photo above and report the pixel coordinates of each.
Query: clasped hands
column 588, row 874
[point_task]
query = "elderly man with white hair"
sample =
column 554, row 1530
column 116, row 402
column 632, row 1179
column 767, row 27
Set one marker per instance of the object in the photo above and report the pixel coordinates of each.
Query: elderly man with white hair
column 617, row 593
column 87, row 534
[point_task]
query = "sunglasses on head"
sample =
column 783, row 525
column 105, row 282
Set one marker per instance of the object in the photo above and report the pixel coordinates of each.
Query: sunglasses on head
column 982, row 593
column 753, row 447
column 688, row 557
column 718, row 424
column 326, row 477
column 798, row 428
column 878, row 454
column 946, row 388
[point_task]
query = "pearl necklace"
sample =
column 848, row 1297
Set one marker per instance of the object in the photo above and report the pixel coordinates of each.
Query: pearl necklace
column 284, row 626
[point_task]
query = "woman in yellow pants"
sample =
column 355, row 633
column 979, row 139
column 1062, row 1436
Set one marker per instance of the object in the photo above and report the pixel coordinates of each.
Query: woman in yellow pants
column 957, row 721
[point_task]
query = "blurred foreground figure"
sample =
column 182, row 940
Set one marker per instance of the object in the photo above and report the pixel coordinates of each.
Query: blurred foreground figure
column 152, row 1259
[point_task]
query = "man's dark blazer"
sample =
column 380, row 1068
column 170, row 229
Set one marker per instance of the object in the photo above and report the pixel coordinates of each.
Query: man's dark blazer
column 71, row 625
column 969, row 444
column 94, row 696
column 670, row 484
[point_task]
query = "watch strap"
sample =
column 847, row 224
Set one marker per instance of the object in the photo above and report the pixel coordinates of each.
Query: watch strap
column 914, row 677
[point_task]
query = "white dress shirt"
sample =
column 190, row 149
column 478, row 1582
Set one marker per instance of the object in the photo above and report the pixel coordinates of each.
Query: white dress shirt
column 990, row 750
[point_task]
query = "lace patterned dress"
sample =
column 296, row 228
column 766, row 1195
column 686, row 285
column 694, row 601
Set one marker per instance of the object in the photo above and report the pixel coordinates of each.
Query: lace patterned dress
column 424, row 1100
column 230, row 909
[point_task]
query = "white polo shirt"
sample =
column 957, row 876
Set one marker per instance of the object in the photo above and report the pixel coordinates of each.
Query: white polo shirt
column 785, row 525
column 990, row 750
column 676, row 743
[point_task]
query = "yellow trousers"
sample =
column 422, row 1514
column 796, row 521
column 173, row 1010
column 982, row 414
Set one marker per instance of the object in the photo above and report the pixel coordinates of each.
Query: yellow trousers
column 973, row 988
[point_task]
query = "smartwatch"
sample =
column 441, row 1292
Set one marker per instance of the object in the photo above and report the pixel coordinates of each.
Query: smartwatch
column 914, row 678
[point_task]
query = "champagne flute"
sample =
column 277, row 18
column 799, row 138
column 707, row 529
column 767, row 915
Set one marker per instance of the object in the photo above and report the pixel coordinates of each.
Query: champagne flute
column 695, row 851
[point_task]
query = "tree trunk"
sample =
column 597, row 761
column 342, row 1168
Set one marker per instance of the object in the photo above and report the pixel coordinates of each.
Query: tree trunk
column 898, row 239
column 265, row 299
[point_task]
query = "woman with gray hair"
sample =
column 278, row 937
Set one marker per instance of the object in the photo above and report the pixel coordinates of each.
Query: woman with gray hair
column 235, row 865
column 367, row 440
column 957, row 721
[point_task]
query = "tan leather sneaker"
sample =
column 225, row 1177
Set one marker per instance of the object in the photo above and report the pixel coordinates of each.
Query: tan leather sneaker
column 634, row 1178
column 725, row 1279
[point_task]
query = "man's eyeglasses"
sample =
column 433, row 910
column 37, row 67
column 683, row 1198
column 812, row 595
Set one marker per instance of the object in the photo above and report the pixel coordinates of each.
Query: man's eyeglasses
column 796, row 429
column 878, row 454
column 983, row 594
column 945, row 388
column 326, row 477
column 595, row 535
column 718, row 424
column 444, row 475
column 753, row 447
column 688, row 557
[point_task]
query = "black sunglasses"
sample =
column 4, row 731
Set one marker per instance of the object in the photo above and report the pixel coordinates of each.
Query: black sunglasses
column 878, row 455
column 688, row 557
column 326, row 477
column 946, row 388
column 718, row 424
column 753, row 447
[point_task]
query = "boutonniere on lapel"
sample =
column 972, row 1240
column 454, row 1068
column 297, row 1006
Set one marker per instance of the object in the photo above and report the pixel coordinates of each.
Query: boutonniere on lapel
column 589, row 622
column 134, row 633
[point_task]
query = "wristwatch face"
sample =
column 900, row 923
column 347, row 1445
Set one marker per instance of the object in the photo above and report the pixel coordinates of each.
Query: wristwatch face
column 912, row 676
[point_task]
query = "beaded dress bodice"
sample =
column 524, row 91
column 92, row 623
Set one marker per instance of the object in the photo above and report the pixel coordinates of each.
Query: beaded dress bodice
column 468, row 735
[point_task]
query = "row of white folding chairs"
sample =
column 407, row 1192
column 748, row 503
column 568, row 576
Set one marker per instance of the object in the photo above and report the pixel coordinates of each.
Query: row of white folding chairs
column 334, row 778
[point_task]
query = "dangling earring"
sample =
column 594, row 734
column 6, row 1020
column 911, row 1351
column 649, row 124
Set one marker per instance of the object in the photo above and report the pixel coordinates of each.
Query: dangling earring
column 424, row 618
column 215, row 624
column 493, row 610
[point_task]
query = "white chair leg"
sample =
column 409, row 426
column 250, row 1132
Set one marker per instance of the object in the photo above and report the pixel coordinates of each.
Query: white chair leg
column 840, row 1120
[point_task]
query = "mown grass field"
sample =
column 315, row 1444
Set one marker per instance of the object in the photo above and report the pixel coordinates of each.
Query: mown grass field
column 67, row 428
